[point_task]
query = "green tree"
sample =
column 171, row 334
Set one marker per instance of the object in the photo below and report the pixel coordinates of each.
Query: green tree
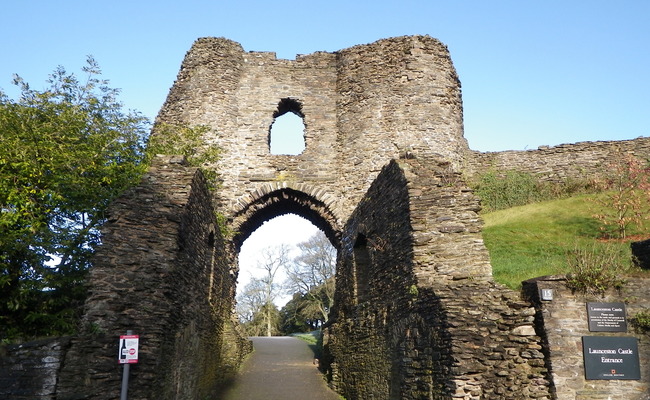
column 291, row 320
column 256, row 302
column 258, row 316
column 65, row 153
column 250, row 300
column 188, row 142
column 312, row 276
column 300, row 314
column 265, row 322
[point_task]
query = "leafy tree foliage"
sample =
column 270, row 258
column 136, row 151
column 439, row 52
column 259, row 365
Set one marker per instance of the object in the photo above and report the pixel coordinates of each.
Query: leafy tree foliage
column 255, row 303
column 185, row 141
column 264, row 322
column 300, row 314
column 250, row 300
column 311, row 277
column 65, row 153
column 310, row 280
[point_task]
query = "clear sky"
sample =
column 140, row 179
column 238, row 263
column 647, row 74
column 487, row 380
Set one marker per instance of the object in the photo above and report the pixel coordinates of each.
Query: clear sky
column 533, row 72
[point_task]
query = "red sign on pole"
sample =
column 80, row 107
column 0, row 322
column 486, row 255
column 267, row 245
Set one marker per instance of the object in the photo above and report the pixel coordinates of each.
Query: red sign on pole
column 128, row 350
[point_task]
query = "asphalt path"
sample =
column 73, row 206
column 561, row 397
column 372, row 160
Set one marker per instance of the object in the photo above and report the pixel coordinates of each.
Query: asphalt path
column 280, row 368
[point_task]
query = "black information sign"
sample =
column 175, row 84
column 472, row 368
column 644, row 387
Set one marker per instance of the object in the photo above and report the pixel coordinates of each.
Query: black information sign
column 606, row 317
column 609, row 357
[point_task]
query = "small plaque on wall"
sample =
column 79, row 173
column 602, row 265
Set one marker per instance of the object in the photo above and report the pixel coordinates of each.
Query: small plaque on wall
column 606, row 317
column 609, row 357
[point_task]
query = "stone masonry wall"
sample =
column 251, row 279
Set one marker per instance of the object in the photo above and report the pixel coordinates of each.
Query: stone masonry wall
column 30, row 370
column 557, row 163
column 396, row 97
column 563, row 322
column 362, row 107
column 416, row 302
column 164, row 272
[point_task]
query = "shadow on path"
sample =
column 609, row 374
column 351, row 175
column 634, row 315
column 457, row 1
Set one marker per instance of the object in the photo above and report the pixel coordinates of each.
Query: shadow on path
column 281, row 368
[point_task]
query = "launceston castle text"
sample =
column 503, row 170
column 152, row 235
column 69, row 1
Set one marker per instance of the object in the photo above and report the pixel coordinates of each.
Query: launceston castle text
column 417, row 313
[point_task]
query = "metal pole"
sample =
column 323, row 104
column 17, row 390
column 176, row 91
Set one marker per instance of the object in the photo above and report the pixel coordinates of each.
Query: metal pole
column 125, row 376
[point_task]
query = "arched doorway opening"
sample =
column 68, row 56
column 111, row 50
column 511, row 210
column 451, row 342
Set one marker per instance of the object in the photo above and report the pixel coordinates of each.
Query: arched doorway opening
column 287, row 245
column 286, row 278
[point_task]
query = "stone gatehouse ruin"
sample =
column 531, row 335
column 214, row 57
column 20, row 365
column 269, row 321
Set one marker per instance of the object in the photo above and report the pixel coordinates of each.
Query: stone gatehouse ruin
column 382, row 174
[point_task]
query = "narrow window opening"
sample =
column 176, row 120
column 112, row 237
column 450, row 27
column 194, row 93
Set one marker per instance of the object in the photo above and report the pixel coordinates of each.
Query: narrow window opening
column 212, row 251
column 361, row 268
column 287, row 132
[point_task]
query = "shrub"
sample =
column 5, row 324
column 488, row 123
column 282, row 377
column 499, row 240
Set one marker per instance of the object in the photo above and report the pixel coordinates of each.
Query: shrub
column 626, row 185
column 186, row 141
column 596, row 269
column 641, row 320
column 513, row 188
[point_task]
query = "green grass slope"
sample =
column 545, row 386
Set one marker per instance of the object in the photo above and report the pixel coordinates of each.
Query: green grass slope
column 533, row 240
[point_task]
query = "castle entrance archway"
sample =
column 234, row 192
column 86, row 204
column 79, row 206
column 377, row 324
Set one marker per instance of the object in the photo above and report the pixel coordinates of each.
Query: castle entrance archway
column 287, row 241
column 383, row 135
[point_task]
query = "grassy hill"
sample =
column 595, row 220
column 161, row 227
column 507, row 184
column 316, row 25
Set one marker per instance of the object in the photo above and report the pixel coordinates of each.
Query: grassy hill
column 534, row 240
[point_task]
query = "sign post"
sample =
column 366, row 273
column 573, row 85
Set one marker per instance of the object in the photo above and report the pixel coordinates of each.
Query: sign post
column 127, row 355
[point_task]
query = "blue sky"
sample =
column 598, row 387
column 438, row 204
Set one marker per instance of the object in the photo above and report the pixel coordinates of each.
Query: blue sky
column 533, row 72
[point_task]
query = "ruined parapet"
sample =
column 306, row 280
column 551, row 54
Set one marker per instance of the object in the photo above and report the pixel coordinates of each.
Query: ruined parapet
column 397, row 97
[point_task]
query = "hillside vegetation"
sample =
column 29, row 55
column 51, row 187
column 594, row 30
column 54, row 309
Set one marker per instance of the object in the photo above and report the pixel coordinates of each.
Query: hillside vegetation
column 538, row 239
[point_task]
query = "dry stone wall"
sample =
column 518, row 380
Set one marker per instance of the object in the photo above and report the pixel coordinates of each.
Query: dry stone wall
column 416, row 302
column 30, row 370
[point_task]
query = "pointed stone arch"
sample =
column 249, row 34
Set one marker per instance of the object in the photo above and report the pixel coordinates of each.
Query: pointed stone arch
column 277, row 198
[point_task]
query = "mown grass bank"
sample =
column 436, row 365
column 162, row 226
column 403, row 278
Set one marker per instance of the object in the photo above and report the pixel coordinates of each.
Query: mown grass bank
column 534, row 240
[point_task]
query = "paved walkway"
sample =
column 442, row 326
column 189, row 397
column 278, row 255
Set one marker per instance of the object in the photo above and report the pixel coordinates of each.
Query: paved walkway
column 280, row 368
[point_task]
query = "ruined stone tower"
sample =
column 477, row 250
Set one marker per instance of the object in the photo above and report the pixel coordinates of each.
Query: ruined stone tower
column 383, row 143
column 361, row 107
